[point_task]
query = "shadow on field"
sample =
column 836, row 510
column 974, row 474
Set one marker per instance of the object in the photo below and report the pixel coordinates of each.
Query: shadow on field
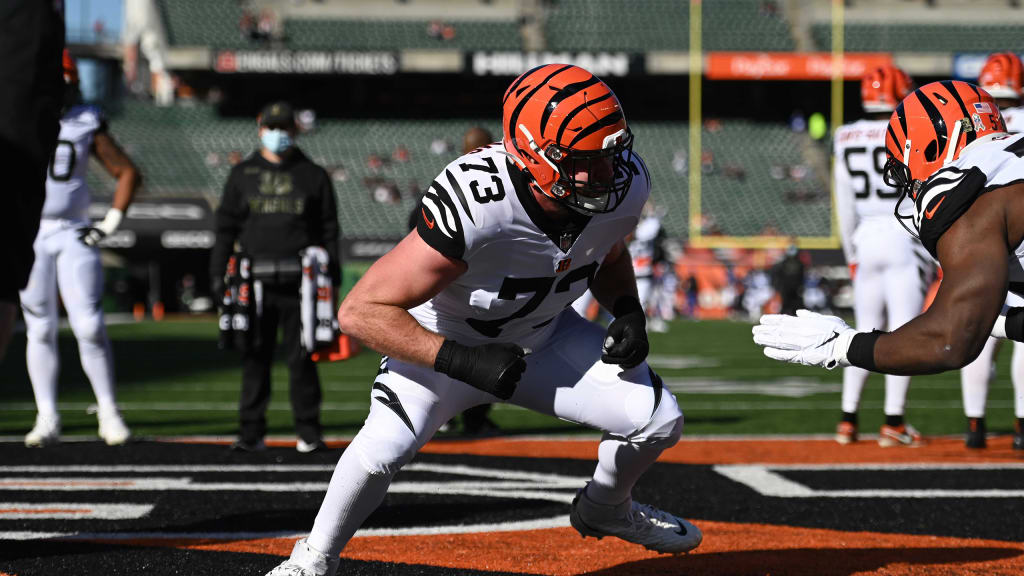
column 819, row 562
column 135, row 361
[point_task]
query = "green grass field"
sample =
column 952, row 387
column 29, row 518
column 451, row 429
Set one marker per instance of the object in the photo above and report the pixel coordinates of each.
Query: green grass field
column 172, row 380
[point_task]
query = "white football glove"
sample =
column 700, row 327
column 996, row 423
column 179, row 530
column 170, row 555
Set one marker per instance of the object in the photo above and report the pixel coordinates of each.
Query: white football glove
column 91, row 236
column 808, row 338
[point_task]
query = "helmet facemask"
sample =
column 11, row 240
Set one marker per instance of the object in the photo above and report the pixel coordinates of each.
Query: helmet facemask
column 896, row 174
column 593, row 181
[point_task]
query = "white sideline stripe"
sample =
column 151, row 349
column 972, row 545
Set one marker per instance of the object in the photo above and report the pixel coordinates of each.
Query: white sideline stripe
column 137, row 484
column 365, row 406
column 539, row 477
column 560, row 521
column 764, row 481
column 72, row 511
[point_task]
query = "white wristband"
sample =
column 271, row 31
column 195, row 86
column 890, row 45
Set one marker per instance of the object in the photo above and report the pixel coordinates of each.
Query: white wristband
column 839, row 350
column 111, row 221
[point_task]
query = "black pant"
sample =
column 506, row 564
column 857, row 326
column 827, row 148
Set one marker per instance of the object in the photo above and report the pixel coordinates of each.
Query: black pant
column 280, row 306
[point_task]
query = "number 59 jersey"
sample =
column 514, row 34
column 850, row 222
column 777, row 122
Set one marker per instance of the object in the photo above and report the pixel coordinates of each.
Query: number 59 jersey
column 523, row 269
column 67, row 194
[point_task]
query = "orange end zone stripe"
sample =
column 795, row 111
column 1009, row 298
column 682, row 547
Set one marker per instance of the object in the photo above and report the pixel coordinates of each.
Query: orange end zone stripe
column 728, row 548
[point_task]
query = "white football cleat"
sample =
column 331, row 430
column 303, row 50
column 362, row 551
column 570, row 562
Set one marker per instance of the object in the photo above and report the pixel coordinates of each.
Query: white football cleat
column 46, row 431
column 306, row 561
column 642, row 524
column 112, row 428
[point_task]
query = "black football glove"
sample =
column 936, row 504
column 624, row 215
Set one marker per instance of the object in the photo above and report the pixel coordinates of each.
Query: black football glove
column 625, row 342
column 91, row 236
column 493, row 368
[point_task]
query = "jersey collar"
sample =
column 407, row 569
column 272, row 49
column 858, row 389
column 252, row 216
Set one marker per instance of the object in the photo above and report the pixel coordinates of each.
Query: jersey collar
column 562, row 234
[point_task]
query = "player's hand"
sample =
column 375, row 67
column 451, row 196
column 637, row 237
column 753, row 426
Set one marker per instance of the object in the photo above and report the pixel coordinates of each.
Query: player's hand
column 493, row 368
column 808, row 338
column 91, row 235
column 625, row 342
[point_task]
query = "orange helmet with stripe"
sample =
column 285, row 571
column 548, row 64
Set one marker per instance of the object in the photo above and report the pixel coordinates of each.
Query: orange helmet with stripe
column 882, row 88
column 930, row 128
column 70, row 68
column 1001, row 76
column 566, row 128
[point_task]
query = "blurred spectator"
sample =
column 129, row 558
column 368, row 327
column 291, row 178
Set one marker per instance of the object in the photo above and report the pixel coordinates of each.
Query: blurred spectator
column 384, row 191
column 679, row 161
column 400, row 154
column 434, row 28
column 234, row 157
column 707, row 162
column 374, row 163
column 339, row 173
column 797, row 122
column 691, row 296
column 475, row 137
column 306, row 120
column 788, row 279
column 212, row 159
column 448, row 33
column 440, row 146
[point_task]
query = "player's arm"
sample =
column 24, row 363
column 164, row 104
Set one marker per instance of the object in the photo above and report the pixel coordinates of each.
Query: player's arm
column 376, row 312
column 376, row 309
column 121, row 167
column 952, row 332
column 614, row 287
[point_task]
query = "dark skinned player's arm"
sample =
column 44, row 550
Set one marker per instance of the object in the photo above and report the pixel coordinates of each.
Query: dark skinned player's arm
column 973, row 253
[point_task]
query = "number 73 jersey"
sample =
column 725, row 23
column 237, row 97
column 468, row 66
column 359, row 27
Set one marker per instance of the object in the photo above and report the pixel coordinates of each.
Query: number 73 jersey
column 523, row 269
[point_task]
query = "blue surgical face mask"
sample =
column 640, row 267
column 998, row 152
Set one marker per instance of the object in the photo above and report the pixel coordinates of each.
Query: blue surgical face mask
column 277, row 141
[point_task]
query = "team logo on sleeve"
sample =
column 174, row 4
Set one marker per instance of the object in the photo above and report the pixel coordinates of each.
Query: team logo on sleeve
column 438, row 211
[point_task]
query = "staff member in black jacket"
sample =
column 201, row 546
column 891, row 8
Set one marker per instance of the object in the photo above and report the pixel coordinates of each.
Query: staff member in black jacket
column 275, row 203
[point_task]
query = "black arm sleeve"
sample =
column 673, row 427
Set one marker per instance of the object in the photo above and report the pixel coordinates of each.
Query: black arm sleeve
column 329, row 227
column 228, row 221
column 1015, row 324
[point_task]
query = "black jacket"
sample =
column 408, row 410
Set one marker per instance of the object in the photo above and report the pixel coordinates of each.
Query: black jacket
column 276, row 210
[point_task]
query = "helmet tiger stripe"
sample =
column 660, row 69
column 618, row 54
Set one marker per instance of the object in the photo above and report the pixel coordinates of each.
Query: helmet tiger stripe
column 566, row 128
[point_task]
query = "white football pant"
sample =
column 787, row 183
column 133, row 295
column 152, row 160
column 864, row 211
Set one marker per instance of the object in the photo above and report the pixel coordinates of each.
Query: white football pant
column 893, row 275
column 975, row 377
column 564, row 378
column 64, row 263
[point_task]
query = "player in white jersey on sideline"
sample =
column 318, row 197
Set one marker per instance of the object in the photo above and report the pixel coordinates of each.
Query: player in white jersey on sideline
column 1001, row 76
column 509, row 236
column 68, row 260
column 948, row 152
column 890, row 270
column 645, row 246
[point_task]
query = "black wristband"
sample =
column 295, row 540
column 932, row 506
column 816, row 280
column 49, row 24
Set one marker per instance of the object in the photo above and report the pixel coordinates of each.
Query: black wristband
column 1015, row 324
column 862, row 350
column 443, row 360
column 625, row 305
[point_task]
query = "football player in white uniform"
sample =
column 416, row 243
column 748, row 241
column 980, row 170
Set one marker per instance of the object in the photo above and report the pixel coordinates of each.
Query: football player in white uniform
column 1001, row 77
column 890, row 270
column 474, row 306
column 67, row 260
column 949, row 152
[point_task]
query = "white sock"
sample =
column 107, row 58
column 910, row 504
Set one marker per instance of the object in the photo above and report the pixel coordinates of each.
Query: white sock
column 895, row 394
column 43, row 366
column 354, row 493
column 853, row 383
column 619, row 465
column 98, row 365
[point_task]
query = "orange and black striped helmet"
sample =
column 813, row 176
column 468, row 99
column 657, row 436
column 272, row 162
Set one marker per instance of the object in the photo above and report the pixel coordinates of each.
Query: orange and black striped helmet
column 1001, row 76
column 566, row 128
column 70, row 68
column 883, row 88
column 930, row 128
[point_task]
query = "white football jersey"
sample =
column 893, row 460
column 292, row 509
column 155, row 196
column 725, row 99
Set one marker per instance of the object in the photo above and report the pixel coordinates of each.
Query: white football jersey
column 992, row 162
column 1014, row 118
column 523, row 270
column 67, row 194
column 643, row 247
column 861, row 195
